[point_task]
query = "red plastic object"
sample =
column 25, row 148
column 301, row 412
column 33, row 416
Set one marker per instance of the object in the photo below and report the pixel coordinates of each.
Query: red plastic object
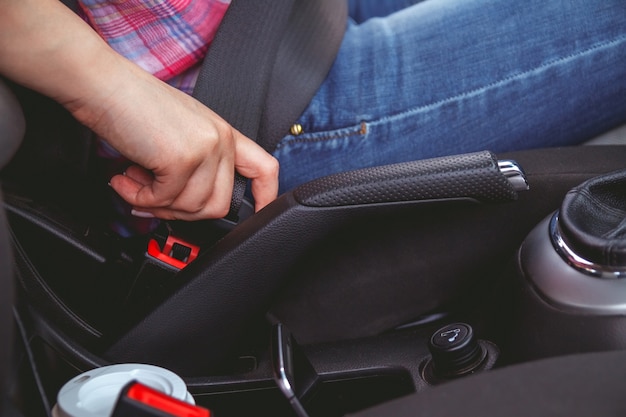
column 165, row 254
column 165, row 403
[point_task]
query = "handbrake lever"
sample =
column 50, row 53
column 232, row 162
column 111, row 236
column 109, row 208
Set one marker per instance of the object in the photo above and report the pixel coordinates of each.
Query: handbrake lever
column 476, row 176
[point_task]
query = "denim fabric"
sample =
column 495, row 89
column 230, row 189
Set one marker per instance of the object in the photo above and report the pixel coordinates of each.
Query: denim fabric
column 437, row 77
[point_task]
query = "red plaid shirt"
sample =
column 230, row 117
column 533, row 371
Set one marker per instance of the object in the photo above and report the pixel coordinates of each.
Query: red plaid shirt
column 168, row 38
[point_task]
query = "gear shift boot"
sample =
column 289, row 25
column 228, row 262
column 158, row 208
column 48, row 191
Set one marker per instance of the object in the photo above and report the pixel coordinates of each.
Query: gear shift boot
column 589, row 231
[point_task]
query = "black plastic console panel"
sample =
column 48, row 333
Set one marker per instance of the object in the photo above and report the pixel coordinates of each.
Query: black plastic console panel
column 227, row 286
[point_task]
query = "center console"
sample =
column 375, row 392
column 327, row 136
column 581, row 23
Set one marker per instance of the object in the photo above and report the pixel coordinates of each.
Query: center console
column 448, row 291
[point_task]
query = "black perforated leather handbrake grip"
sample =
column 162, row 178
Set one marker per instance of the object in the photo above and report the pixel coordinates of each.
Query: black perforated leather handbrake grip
column 474, row 176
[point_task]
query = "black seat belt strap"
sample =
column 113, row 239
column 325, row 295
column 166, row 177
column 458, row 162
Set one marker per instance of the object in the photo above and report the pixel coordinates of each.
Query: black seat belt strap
column 236, row 72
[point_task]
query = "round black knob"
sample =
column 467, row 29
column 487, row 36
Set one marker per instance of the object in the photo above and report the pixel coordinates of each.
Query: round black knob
column 455, row 350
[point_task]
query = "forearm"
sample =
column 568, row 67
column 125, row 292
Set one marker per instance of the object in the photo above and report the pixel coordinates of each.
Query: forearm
column 46, row 47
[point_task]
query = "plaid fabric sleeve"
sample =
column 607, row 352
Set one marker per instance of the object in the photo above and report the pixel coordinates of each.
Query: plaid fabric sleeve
column 164, row 37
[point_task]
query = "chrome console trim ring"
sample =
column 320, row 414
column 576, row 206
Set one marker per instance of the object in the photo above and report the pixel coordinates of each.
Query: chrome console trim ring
column 578, row 262
column 562, row 286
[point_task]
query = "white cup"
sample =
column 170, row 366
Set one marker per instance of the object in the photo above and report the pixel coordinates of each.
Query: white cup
column 94, row 393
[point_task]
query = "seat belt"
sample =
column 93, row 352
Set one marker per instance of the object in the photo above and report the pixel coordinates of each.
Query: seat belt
column 266, row 61
column 236, row 72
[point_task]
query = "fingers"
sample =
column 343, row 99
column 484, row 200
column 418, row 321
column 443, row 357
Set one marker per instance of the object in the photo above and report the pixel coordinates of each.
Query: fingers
column 202, row 190
column 194, row 199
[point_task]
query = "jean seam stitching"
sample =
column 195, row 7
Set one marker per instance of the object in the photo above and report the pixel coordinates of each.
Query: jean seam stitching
column 294, row 140
column 471, row 93
column 503, row 81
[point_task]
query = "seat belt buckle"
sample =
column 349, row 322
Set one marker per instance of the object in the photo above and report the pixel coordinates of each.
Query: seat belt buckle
column 139, row 400
column 175, row 252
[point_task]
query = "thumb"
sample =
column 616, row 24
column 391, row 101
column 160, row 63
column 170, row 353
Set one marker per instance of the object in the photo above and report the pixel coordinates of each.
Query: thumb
column 260, row 167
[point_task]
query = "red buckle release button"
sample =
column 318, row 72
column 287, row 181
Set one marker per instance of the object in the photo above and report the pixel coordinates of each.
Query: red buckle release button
column 176, row 252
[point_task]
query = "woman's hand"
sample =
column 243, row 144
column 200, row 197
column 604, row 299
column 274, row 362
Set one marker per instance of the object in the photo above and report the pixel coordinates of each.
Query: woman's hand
column 186, row 154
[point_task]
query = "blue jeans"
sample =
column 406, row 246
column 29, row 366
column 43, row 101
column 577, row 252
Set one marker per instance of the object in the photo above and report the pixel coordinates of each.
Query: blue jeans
column 438, row 77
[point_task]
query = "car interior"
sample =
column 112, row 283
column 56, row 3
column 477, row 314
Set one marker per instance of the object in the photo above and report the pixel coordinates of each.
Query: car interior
column 474, row 284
